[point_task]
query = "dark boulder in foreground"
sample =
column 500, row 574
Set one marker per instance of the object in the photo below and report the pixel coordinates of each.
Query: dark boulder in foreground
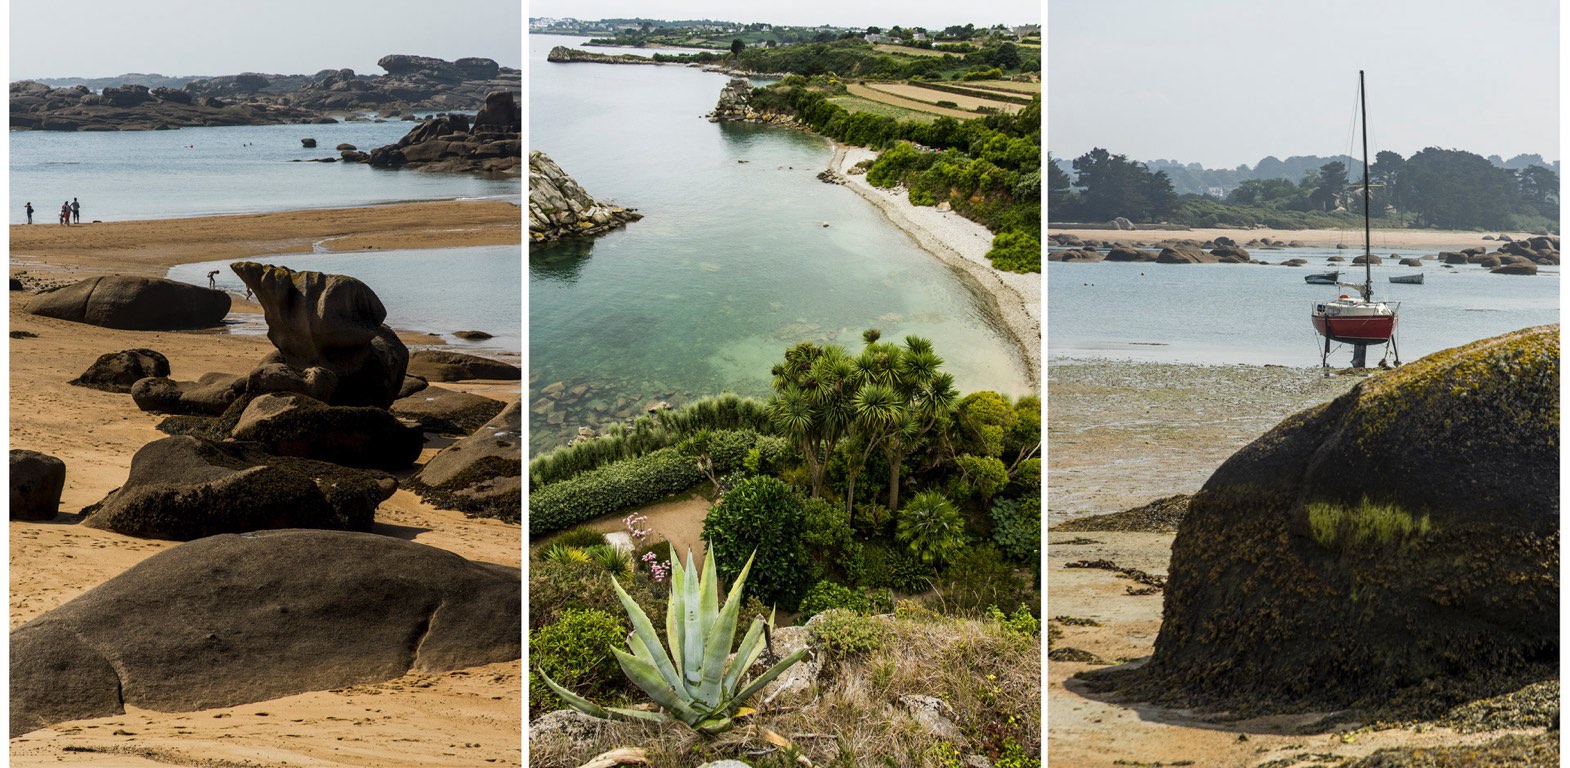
column 1397, row 547
column 353, row 436
column 117, row 371
column 446, row 411
column 133, row 303
column 482, row 474
column 241, row 618
column 36, row 482
column 438, row 365
column 182, row 488
column 332, row 322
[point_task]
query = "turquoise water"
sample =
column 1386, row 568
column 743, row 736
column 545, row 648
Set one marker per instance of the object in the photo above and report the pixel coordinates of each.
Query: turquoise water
column 437, row 290
column 731, row 263
column 1241, row 313
column 205, row 171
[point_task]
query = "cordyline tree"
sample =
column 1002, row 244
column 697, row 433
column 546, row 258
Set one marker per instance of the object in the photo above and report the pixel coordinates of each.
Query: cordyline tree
column 886, row 399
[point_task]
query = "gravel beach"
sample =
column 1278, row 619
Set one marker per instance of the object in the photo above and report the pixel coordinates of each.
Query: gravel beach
column 963, row 244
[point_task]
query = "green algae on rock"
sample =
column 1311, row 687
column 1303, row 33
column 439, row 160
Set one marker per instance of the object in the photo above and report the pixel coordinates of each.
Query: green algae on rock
column 1397, row 547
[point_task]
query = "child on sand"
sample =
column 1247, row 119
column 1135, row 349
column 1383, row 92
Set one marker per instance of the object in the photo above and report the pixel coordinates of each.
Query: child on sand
column 65, row 213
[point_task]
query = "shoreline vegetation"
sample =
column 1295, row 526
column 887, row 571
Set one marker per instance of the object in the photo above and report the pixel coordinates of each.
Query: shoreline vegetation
column 96, row 433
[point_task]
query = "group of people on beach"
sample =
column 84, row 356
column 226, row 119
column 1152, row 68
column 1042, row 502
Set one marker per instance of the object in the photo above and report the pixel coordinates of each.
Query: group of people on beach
column 70, row 212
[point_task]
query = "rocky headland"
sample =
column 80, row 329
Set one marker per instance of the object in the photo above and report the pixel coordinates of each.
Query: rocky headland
column 561, row 54
column 411, row 84
column 492, row 144
column 559, row 207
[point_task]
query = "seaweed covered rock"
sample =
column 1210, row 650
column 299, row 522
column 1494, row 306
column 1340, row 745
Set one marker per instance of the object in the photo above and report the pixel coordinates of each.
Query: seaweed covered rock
column 439, row 365
column 353, row 436
column 332, row 322
column 482, row 474
column 234, row 619
column 209, row 395
column 448, row 412
column 183, row 488
column 117, row 371
column 133, row 303
column 1396, row 547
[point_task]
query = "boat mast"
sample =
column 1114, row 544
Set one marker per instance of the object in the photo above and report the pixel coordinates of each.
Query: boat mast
column 1368, row 254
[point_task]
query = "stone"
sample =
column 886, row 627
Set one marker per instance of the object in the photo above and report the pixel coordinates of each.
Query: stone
column 1367, row 258
column 117, row 371
column 1184, row 254
column 315, row 382
column 448, row 412
column 472, row 335
column 440, row 365
column 1400, row 542
column 798, row 677
column 567, row 725
column 235, row 619
column 333, row 322
column 132, row 303
column 934, row 714
column 308, row 143
column 182, row 488
column 501, row 112
column 559, row 207
column 209, row 395
column 351, row 436
column 345, row 146
column 481, row 474
column 1411, row 262
column 1522, row 268
column 36, row 482
column 1230, row 253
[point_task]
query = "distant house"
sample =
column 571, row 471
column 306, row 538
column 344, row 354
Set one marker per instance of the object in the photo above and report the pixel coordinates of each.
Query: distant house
column 628, row 28
column 1028, row 30
column 1216, row 192
column 874, row 38
column 917, row 36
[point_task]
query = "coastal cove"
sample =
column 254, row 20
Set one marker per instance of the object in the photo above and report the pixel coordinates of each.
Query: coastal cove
column 742, row 252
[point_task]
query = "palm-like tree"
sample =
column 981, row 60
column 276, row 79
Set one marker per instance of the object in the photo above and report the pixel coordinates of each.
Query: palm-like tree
column 931, row 526
column 812, row 402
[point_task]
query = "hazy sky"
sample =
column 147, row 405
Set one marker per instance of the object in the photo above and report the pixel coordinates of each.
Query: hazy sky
column 101, row 38
column 804, row 13
column 1224, row 82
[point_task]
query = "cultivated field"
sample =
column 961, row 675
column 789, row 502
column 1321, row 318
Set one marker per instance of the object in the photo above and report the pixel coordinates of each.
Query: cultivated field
column 928, row 95
column 883, row 97
column 858, row 104
column 886, row 48
column 1027, row 89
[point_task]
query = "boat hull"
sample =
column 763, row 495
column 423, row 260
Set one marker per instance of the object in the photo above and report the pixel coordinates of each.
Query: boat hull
column 1372, row 329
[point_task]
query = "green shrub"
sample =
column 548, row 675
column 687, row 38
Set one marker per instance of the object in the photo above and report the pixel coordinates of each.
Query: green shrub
column 614, row 560
column 949, row 104
column 979, row 577
column 872, row 567
column 910, row 574
column 826, row 596
column 828, row 537
column 842, row 634
column 982, row 476
column 1016, row 251
column 1021, row 622
column 611, row 488
column 931, row 527
column 576, row 647
column 1016, row 528
column 766, row 515
column 581, row 537
column 555, row 587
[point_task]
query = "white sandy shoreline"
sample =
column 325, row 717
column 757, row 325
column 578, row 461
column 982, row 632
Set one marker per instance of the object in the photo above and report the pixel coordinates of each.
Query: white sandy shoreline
column 962, row 244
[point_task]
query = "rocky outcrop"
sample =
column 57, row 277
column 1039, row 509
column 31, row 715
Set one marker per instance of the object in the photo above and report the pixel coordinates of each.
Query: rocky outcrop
column 563, row 55
column 1184, row 254
column 1230, row 252
column 36, row 482
column 1397, row 544
column 482, row 474
column 492, row 145
column 183, row 488
column 235, row 619
column 559, row 207
column 440, row 365
column 735, row 101
column 332, row 322
column 133, row 303
column 136, row 108
column 209, row 395
column 447, row 412
column 117, row 371
column 350, row 436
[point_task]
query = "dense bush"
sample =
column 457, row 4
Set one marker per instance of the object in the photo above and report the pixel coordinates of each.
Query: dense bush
column 1016, row 528
column 1016, row 252
column 576, row 652
column 827, row 596
column 980, row 476
column 931, row 527
column 827, row 534
column 611, row 488
column 762, row 515
column 843, row 635
column 980, row 577
column 556, row 586
column 580, row 537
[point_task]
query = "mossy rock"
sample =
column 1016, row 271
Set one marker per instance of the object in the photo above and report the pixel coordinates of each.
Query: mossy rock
column 1395, row 547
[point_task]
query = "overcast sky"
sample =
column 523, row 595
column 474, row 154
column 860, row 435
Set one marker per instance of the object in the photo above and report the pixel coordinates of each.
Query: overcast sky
column 804, row 13
column 1224, row 82
column 101, row 38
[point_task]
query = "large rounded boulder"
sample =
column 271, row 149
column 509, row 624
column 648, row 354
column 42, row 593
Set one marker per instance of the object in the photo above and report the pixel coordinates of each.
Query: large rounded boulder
column 445, row 411
column 37, row 479
column 482, row 474
column 1397, row 545
column 234, row 619
column 440, row 365
column 117, row 371
column 133, row 303
column 354, row 436
column 184, row 487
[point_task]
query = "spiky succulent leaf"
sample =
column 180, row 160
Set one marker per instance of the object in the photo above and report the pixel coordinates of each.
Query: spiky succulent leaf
column 744, row 694
column 692, row 629
column 746, row 653
column 643, row 675
column 645, row 632
column 721, row 634
column 675, row 611
column 574, row 700
column 639, row 714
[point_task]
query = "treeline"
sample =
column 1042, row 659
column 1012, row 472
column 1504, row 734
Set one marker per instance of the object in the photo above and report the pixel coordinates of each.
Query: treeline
column 854, row 57
column 1438, row 188
column 988, row 169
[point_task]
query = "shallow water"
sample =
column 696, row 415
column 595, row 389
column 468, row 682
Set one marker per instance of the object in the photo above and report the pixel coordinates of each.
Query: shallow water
column 731, row 264
column 209, row 171
column 1244, row 313
column 477, row 289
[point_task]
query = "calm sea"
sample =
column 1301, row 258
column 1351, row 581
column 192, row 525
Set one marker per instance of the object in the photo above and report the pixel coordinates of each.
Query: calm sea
column 731, row 264
column 206, row 171
column 1240, row 313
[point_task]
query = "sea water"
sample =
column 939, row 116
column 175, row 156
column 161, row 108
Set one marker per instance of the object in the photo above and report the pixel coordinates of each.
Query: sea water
column 435, row 290
column 1256, row 314
column 732, row 263
column 120, row 175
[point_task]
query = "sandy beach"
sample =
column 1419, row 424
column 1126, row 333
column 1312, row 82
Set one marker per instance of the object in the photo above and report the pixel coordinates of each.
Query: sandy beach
column 1382, row 239
column 1123, row 434
column 461, row 718
column 1013, row 299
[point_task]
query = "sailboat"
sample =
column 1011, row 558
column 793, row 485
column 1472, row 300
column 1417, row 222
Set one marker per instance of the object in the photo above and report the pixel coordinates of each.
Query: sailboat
column 1359, row 320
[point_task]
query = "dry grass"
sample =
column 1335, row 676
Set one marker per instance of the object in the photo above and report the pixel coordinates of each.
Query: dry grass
column 886, row 48
column 852, row 714
column 1005, row 85
column 918, row 93
column 858, row 104
column 881, row 97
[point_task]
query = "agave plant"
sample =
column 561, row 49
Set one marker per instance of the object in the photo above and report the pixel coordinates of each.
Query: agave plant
column 699, row 682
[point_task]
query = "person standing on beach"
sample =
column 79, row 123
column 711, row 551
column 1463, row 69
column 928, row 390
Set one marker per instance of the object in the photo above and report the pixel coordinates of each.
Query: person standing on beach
column 76, row 211
column 65, row 214
column 29, row 210
column 212, row 280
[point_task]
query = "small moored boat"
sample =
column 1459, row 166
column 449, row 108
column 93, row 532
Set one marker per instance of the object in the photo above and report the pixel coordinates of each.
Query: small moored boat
column 1416, row 279
column 1323, row 278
